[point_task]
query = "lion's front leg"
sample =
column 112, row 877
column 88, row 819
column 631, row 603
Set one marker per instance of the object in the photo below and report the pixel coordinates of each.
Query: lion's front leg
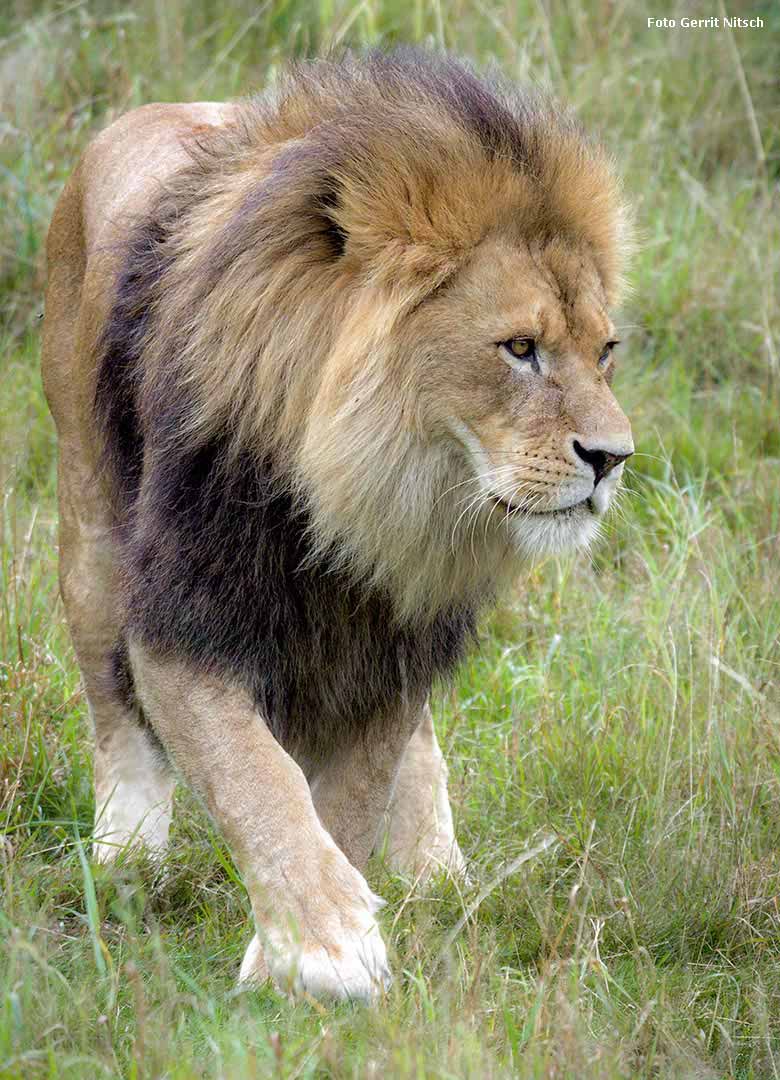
column 353, row 787
column 314, row 912
column 388, row 793
column 418, row 836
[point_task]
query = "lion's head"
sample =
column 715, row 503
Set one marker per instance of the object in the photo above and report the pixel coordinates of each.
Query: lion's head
column 395, row 278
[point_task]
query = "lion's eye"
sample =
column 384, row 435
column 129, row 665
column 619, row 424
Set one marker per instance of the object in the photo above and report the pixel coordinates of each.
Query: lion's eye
column 521, row 348
column 604, row 358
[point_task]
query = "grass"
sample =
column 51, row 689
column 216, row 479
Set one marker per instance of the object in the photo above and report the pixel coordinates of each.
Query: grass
column 624, row 709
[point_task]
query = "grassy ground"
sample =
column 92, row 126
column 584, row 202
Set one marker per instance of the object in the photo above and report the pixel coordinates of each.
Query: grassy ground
column 624, row 709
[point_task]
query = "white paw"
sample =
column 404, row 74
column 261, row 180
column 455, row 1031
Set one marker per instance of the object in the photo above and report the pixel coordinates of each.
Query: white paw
column 351, row 963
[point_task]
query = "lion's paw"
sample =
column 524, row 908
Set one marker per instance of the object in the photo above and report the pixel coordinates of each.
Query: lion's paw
column 352, row 965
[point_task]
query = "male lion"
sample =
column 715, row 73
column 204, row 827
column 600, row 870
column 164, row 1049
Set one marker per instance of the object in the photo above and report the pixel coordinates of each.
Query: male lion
column 325, row 365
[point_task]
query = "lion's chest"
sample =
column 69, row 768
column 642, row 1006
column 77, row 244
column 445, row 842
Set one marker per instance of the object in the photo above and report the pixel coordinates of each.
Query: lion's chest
column 219, row 572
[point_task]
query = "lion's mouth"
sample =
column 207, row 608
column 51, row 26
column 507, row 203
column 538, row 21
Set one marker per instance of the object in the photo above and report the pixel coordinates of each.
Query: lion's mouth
column 584, row 505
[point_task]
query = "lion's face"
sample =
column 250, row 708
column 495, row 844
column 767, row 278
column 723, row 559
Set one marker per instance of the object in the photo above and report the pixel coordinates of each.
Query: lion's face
column 513, row 362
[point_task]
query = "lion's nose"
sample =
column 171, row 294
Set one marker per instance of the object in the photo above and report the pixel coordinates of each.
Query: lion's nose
column 603, row 461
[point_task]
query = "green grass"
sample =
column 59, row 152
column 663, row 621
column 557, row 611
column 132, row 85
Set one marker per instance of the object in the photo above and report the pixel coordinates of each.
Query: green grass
column 625, row 708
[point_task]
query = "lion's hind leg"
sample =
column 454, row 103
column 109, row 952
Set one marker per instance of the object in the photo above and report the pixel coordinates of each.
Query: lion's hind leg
column 133, row 782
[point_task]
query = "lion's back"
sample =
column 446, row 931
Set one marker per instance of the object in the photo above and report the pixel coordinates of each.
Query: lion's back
column 115, row 180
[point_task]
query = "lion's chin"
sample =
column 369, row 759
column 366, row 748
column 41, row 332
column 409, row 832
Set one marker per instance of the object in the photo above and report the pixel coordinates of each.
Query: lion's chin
column 555, row 533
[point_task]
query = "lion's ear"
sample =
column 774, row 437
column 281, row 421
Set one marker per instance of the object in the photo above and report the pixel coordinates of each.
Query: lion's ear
column 393, row 224
column 327, row 206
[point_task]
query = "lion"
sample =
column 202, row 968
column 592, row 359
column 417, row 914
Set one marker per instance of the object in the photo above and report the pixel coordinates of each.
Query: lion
column 327, row 366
